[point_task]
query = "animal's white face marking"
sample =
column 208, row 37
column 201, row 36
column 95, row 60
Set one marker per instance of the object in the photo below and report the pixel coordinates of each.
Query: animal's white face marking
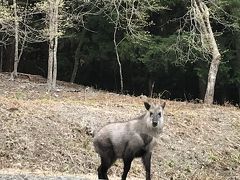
column 155, row 115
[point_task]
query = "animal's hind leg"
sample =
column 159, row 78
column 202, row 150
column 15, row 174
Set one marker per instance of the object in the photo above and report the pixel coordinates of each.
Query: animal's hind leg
column 106, row 162
column 127, row 160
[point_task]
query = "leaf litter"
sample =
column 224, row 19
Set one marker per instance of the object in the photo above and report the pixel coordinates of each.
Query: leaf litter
column 51, row 133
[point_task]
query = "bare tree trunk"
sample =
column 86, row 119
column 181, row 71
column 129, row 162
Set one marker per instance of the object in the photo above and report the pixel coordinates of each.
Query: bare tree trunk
column 216, row 58
column 51, row 46
column 151, row 85
column 75, row 68
column 50, row 65
column 16, row 31
column 77, row 56
column 53, row 43
column 25, row 33
column 117, row 23
column 54, row 82
column 201, row 13
column 212, row 75
column 118, row 59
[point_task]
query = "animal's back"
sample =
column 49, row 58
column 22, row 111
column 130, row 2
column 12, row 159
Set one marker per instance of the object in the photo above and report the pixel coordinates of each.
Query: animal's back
column 117, row 136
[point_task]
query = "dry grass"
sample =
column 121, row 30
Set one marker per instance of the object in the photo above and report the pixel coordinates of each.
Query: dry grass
column 49, row 133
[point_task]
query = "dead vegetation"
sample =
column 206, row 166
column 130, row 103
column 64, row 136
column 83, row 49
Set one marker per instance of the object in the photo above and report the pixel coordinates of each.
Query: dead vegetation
column 51, row 133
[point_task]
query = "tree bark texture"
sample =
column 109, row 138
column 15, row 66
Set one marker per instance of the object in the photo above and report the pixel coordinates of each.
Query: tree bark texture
column 201, row 12
column 16, row 31
column 25, row 32
column 117, row 24
column 118, row 59
column 53, row 44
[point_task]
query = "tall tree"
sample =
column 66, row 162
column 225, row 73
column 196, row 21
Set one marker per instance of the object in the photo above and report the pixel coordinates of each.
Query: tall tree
column 200, row 38
column 53, row 42
column 117, row 5
column 201, row 16
column 23, row 30
column 16, row 32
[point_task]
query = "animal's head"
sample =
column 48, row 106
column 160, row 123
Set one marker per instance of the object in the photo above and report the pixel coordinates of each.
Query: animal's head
column 155, row 115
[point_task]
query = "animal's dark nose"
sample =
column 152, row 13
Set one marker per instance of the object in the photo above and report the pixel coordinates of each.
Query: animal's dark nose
column 154, row 123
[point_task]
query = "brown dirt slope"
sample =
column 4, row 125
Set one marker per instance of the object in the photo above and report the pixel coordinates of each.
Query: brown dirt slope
column 49, row 133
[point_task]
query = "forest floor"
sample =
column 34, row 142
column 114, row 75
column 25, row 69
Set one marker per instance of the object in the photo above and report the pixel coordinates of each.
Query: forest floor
column 49, row 134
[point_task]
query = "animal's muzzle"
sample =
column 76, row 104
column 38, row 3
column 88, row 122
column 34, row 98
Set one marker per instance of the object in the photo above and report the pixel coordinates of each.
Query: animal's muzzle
column 154, row 123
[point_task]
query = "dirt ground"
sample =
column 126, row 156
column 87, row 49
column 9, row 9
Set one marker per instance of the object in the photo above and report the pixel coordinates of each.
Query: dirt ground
column 50, row 133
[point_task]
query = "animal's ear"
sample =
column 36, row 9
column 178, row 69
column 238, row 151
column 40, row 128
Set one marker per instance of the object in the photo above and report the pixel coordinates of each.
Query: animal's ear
column 147, row 105
column 163, row 105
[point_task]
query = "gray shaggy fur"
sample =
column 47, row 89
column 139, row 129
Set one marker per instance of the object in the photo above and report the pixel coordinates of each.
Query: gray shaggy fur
column 129, row 140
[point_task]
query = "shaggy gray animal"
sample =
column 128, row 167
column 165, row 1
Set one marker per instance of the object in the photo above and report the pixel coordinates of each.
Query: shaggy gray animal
column 129, row 140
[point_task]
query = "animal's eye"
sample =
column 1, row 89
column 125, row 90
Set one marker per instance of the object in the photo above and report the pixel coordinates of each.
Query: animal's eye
column 159, row 114
column 151, row 113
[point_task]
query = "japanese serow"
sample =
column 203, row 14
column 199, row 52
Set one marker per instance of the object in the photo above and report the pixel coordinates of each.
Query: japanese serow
column 128, row 140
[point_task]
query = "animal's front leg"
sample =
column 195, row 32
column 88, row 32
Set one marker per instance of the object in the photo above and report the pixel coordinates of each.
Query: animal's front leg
column 127, row 165
column 127, row 160
column 146, row 159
